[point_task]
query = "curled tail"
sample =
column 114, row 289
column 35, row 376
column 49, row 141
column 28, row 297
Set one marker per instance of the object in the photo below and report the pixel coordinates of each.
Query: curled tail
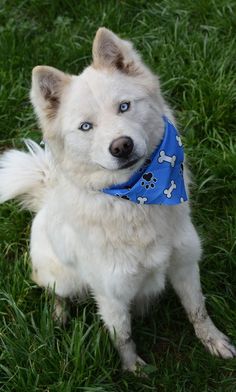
column 26, row 175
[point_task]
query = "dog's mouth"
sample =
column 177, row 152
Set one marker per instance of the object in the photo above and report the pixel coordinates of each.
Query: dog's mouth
column 129, row 164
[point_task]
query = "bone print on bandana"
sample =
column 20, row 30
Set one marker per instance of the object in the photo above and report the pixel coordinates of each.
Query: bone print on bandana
column 160, row 180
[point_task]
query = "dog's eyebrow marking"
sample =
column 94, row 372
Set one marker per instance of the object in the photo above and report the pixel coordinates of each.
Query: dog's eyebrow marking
column 139, row 99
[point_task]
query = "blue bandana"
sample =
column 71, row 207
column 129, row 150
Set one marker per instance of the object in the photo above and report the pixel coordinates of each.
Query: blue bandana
column 160, row 179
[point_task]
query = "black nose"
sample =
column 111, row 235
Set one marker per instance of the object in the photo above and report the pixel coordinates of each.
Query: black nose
column 121, row 147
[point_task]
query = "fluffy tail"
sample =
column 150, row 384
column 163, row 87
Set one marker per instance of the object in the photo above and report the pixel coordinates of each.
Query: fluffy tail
column 26, row 175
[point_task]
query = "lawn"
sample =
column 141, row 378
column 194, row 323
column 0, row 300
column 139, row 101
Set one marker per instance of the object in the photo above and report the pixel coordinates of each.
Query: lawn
column 192, row 46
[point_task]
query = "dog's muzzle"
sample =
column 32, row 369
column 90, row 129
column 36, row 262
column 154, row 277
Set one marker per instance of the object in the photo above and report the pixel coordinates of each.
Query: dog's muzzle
column 122, row 148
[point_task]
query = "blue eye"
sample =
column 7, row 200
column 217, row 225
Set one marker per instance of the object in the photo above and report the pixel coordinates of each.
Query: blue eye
column 86, row 126
column 124, row 106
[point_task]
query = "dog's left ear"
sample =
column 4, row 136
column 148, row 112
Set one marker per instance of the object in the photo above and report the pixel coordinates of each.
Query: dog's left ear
column 111, row 52
column 48, row 85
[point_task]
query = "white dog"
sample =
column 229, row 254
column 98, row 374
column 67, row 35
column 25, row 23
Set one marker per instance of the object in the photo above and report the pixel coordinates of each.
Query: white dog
column 83, row 239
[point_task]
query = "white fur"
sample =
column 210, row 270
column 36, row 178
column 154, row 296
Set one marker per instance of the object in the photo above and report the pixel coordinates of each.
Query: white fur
column 85, row 240
column 26, row 175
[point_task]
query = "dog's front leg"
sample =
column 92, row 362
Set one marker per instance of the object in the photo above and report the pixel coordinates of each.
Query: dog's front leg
column 185, row 278
column 116, row 316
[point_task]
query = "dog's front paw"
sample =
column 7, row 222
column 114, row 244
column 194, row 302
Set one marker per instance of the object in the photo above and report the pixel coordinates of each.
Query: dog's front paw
column 215, row 341
column 136, row 367
column 220, row 346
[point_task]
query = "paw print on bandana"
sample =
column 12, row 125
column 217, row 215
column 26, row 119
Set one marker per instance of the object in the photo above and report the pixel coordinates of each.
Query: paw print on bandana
column 148, row 181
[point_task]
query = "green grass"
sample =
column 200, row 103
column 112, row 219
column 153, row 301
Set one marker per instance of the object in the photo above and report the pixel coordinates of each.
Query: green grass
column 191, row 45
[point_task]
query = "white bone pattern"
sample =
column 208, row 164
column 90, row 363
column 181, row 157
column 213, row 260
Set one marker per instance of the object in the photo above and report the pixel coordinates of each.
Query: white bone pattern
column 165, row 158
column 178, row 138
column 168, row 192
column 142, row 200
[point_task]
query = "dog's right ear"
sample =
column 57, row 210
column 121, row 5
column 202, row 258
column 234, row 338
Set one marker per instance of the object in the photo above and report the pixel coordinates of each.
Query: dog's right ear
column 47, row 88
column 112, row 52
column 115, row 54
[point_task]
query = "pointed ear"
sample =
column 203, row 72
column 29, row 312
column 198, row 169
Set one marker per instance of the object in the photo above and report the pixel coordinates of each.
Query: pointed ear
column 48, row 84
column 109, row 51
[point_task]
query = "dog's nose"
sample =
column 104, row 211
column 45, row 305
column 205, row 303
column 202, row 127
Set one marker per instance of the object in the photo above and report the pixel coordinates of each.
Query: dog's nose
column 121, row 147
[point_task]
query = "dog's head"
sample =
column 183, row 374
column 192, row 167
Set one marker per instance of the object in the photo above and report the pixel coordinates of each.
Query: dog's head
column 105, row 121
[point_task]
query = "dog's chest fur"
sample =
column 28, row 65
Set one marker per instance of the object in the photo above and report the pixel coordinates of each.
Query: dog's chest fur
column 97, row 235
